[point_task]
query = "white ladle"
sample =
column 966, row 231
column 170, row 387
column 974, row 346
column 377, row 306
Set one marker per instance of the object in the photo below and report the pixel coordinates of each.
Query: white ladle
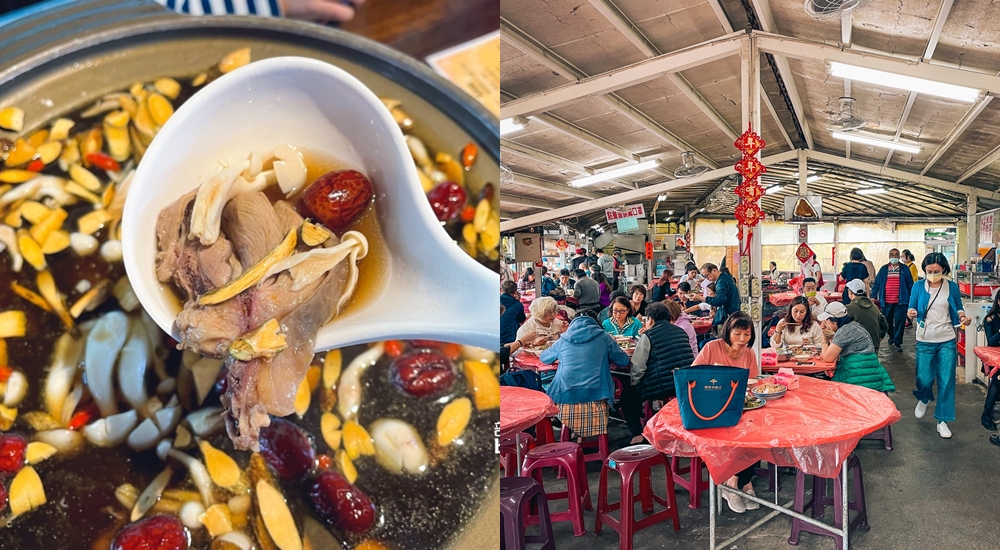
column 431, row 290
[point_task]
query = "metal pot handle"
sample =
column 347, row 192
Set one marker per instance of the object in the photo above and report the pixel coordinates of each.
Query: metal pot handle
column 27, row 32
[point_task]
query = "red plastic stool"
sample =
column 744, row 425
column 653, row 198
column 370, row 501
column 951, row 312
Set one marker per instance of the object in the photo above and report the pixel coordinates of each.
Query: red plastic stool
column 515, row 494
column 508, row 452
column 544, row 433
column 601, row 444
column 695, row 485
column 637, row 459
column 569, row 456
column 819, row 501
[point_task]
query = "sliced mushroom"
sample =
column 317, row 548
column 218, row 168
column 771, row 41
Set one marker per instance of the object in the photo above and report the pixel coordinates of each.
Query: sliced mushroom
column 111, row 431
column 8, row 240
column 349, row 388
column 65, row 358
column 199, row 474
column 205, row 422
column 133, row 362
column 151, row 494
column 289, row 169
column 145, row 436
column 63, row 440
column 307, row 267
column 103, row 345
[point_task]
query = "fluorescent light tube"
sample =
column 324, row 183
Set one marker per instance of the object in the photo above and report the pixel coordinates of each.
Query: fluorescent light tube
column 876, row 142
column 510, row 125
column 809, row 178
column 616, row 173
column 901, row 82
column 872, row 191
column 774, row 189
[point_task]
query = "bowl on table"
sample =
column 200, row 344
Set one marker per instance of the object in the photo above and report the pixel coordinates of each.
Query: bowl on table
column 769, row 392
column 803, row 357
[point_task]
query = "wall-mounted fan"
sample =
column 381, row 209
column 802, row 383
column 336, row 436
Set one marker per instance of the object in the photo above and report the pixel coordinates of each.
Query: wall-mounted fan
column 845, row 120
column 723, row 201
column 826, row 10
column 688, row 168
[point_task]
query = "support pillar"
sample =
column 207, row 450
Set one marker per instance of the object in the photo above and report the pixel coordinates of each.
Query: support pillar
column 750, row 80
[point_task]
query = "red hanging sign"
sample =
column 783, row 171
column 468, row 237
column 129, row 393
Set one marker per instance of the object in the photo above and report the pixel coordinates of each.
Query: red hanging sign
column 748, row 212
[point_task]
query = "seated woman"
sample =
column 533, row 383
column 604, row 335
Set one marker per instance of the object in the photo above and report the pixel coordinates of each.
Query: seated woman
column 734, row 348
column 543, row 322
column 682, row 320
column 527, row 281
column 848, row 344
column 660, row 289
column 991, row 323
column 797, row 328
column 582, row 387
column 606, row 312
column 638, row 294
column 661, row 348
column 621, row 322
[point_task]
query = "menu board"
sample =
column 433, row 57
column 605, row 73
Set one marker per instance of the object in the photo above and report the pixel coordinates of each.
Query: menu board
column 473, row 66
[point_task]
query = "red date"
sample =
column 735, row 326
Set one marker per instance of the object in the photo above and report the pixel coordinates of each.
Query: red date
column 336, row 199
column 287, row 449
column 153, row 533
column 341, row 504
column 11, row 453
column 447, row 200
column 422, row 373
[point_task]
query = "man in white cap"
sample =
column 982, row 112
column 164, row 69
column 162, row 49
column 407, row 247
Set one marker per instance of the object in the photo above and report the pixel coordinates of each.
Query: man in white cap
column 864, row 311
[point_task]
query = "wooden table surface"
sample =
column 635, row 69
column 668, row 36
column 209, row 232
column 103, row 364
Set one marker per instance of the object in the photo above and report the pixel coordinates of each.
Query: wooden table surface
column 422, row 27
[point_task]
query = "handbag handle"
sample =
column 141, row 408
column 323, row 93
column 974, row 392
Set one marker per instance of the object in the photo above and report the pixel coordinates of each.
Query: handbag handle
column 691, row 386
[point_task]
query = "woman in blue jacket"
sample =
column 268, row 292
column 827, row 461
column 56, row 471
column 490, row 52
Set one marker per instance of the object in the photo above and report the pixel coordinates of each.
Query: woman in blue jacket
column 991, row 324
column 582, row 387
column 936, row 305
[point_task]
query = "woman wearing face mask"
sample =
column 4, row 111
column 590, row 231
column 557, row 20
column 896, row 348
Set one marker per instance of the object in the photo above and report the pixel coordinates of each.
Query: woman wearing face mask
column 936, row 308
column 850, row 345
column 909, row 260
column 735, row 348
column 797, row 328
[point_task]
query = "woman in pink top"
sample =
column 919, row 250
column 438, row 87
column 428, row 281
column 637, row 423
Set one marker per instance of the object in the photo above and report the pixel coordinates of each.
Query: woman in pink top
column 735, row 349
column 682, row 320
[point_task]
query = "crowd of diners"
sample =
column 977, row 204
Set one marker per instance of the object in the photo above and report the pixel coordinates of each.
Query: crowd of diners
column 877, row 304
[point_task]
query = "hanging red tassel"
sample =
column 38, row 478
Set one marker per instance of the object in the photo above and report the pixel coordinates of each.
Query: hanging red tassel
column 748, row 212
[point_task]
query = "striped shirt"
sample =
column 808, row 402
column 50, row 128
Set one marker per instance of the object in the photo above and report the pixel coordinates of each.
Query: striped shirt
column 266, row 8
column 892, row 285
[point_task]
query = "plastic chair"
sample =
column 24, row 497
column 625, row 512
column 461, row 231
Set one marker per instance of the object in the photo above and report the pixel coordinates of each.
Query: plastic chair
column 568, row 456
column 819, row 501
column 515, row 494
column 637, row 459
column 885, row 434
column 600, row 443
column 695, row 485
column 508, row 452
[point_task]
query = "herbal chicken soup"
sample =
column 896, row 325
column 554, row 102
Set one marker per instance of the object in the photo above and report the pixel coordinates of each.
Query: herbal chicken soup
column 112, row 435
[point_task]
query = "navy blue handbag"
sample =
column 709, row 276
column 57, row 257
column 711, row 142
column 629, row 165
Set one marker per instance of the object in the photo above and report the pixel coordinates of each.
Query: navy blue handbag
column 522, row 378
column 710, row 396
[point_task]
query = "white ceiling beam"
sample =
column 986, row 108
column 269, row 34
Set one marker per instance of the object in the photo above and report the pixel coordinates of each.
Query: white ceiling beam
column 585, row 136
column 721, row 15
column 774, row 115
column 628, row 196
column 550, row 187
column 963, row 125
column 626, row 27
column 806, row 49
column 901, row 175
column 987, row 160
column 932, row 41
column 624, row 77
column 553, row 160
column 527, row 203
column 766, row 18
column 639, row 40
column 846, row 28
column 539, row 52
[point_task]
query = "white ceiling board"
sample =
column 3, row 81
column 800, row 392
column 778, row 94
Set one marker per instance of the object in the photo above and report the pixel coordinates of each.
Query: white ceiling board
column 521, row 74
column 981, row 137
column 901, row 27
column 673, row 24
column 971, row 36
column 562, row 145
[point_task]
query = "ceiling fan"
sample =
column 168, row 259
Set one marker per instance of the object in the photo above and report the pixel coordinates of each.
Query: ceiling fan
column 688, row 168
column 845, row 120
column 826, row 10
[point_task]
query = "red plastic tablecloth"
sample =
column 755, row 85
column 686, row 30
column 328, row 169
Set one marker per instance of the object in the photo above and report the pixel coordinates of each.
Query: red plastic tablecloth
column 989, row 356
column 521, row 408
column 817, row 366
column 813, row 428
column 701, row 325
column 528, row 360
column 782, row 299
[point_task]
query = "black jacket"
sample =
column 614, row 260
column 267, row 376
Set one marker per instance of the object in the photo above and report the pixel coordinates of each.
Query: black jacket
column 669, row 348
column 991, row 324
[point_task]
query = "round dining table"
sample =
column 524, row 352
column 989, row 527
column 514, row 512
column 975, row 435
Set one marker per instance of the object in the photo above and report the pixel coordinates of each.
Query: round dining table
column 813, row 428
column 782, row 299
column 520, row 409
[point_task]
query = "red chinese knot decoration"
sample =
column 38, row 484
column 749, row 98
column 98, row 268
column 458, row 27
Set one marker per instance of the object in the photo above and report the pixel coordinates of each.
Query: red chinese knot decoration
column 748, row 212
